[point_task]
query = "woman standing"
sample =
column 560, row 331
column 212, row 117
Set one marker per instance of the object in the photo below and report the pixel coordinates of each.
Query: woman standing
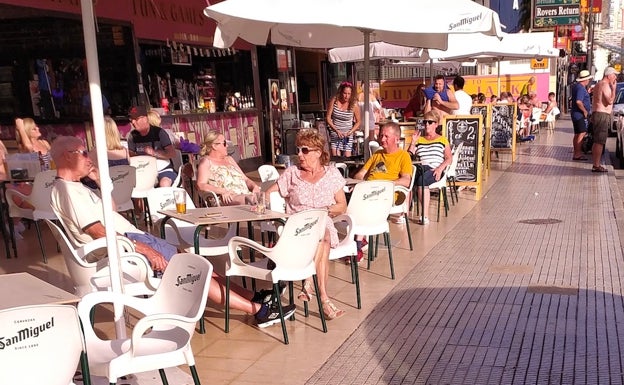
column 343, row 119
column 314, row 184
column 434, row 152
column 218, row 172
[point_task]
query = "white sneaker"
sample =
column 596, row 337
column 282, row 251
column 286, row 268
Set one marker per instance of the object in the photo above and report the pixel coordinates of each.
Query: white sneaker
column 423, row 222
column 19, row 227
column 399, row 220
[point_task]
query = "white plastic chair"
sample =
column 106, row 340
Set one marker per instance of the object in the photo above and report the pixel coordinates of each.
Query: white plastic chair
column 40, row 199
column 51, row 357
column 373, row 146
column 162, row 338
column 347, row 247
column 267, row 172
column 369, row 207
column 95, row 276
column 124, row 181
column 182, row 234
column 403, row 208
column 441, row 186
column 146, row 179
column 302, row 232
column 344, row 169
column 451, row 173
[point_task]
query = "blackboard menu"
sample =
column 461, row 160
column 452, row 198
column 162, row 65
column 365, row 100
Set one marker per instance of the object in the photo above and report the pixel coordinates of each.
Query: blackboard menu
column 465, row 129
column 503, row 118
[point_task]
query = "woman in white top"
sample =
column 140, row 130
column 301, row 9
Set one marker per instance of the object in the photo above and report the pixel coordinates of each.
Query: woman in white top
column 218, row 172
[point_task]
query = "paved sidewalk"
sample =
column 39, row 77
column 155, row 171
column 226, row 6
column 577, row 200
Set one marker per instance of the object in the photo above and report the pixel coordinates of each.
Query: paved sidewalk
column 526, row 289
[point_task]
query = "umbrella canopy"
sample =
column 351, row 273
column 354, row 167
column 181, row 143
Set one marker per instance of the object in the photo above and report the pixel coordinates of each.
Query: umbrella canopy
column 378, row 50
column 341, row 23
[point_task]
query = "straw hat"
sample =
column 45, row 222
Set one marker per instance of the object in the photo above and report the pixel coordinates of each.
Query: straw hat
column 583, row 75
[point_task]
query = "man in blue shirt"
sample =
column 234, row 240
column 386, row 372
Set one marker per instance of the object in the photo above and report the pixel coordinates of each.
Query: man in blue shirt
column 581, row 108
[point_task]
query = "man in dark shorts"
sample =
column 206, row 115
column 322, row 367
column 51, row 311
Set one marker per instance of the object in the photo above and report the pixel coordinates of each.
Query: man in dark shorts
column 581, row 108
column 602, row 107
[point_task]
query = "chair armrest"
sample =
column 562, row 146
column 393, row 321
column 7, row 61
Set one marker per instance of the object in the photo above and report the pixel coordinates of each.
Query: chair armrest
column 211, row 198
column 158, row 322
column 10, row 193
column 339, row 219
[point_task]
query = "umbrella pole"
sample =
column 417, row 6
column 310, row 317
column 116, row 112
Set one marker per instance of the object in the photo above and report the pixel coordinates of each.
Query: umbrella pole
column 498, row 85
column 88, row 25
column 368, row 131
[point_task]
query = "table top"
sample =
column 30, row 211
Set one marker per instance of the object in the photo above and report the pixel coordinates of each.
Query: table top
column 222, row 214
column 352, row 181
column 21, row 289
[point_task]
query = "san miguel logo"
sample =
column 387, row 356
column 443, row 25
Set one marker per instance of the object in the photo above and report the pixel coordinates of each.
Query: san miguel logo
column 305, row 227
column 374, row 193
column 120, row 176
column 188, row 279
column 169, row 202
column 465, row 21
column 26, row 334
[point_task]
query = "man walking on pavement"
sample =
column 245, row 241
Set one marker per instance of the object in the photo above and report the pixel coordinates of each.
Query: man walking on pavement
column 602, row 105
column 580, row 111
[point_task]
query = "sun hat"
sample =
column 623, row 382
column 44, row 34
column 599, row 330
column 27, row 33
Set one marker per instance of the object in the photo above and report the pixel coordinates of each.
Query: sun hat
column 584, row 75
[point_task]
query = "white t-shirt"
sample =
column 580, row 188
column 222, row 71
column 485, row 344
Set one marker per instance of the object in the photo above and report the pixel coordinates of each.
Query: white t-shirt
column 79, row 207
column 465, row 102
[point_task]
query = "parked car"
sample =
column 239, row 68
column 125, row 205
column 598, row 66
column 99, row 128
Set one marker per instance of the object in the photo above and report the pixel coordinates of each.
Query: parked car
column 618, row 108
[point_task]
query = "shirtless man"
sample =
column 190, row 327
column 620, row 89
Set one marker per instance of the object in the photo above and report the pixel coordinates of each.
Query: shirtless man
column 602, row 105
column 440, row 98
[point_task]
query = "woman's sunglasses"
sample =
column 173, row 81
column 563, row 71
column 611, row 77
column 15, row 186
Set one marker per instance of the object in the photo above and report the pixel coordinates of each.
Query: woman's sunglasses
column 304, row 150
column 429, row 121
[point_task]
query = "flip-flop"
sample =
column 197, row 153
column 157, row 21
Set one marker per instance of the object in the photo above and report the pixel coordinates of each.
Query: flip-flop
column 599, row 169
column 580, row 158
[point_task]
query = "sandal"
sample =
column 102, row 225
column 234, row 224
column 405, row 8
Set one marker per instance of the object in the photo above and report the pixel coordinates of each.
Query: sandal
column 306, row 292
column 599, row 169
column 331, row 311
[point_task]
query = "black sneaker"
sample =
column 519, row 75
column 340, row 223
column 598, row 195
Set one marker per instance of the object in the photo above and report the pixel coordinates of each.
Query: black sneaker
column 268, row 316
column 265, row 296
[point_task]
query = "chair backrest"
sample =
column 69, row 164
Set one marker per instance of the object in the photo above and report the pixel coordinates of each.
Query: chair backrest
column 177, row 160
column 267, row 172
column 344, row 169
column 41, row 195
column 80, row 271
column 277, row 202
column 452, row 169
column 183, row 289
column 40, row 344
column 146, row 171
column 124, row 180
column 162, row 199
column 302, row 232
column 371, row 202
column 373, row 146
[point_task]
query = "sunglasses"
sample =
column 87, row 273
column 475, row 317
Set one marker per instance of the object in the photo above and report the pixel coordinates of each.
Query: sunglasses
column 84, row 153
column 224, row 143
column 304, row 150
column 429, row 121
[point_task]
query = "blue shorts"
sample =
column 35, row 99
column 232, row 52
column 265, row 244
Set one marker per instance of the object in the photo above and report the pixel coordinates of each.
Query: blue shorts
column 580, row 126
column 425, row 177
column 167, row 173
column 160, row 245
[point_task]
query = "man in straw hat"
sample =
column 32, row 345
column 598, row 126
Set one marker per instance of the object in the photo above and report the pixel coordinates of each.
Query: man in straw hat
column 602, row 106
column 581, row 108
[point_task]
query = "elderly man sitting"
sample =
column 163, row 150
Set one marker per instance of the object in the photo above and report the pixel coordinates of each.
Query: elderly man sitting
column 82, row 211
column 389, row 163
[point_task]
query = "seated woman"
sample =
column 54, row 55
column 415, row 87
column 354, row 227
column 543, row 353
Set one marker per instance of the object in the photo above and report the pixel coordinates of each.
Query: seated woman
column 314, row 184
column 117, row 154
column 218, row 172
column 435, row 155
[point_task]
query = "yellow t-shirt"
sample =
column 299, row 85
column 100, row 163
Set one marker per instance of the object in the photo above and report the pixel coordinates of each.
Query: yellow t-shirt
column 384, row 166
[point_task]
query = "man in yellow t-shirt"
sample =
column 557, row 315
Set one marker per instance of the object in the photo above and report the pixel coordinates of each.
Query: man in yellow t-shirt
column 388, row 163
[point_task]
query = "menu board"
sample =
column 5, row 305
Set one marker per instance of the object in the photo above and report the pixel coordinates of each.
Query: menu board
column 466, row 129
column 486, row 113
column 503, row 126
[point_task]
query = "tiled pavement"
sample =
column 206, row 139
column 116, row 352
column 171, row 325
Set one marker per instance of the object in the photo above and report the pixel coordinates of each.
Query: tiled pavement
column 526, row 289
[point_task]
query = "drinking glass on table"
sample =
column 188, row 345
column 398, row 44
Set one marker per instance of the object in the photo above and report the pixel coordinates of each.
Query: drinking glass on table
column 180, row 201
column 260, row 202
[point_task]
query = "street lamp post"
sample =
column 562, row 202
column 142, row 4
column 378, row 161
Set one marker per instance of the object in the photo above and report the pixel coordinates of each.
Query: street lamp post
column 590, row 38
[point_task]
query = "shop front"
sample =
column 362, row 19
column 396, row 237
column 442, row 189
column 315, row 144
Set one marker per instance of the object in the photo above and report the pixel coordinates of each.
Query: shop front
column 156, row 53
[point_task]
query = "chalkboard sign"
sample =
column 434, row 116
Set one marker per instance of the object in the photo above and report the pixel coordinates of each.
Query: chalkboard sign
column 466, row 129
column 503, row 126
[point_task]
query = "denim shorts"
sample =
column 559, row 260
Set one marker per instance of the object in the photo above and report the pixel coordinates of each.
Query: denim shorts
column 158, row 244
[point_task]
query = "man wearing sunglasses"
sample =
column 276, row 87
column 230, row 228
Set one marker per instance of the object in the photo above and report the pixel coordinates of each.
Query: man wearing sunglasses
column 80, row 209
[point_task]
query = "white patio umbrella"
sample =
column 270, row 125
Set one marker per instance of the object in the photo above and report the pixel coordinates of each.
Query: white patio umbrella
column 341, row 23
column 93, row 71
